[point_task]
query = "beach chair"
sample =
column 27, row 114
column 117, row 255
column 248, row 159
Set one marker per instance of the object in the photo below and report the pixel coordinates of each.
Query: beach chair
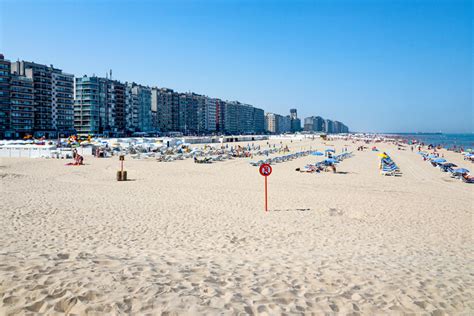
column 389, row 169
column 390, row 172
column 468, row 179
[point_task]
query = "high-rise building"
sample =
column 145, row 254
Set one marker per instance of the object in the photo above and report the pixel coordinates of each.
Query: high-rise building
column 293, row 114
column 295, row 121
column 21, row 105
column 62, row 102
column 319, row 124
column 201, row 113
column 210, row 111
column 308, row 124
column 138, row 110
column 183, row 102
column 176, row 112
column 232, row 117
column 188, row 103
column 284, row 124
column 144, row 108
column 4, row 98
column 314, row 124
column 131, row 109
column 277, row 124
column 91, row 108
column 53, row 98
column 220, row 116
column 115, row 98
column 271, row 123
column 245, row 115
column 163, row 100
column 258, row 121
column 329, row 126
column 241, row 118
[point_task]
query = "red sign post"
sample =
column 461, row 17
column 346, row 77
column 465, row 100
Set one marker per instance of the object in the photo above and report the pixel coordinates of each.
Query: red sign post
column 266, row 170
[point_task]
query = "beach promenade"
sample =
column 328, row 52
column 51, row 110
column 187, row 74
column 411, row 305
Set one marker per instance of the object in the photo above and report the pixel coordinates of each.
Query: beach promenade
column 190, row 238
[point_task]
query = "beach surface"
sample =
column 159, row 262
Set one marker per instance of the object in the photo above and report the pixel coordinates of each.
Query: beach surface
column 186, row 238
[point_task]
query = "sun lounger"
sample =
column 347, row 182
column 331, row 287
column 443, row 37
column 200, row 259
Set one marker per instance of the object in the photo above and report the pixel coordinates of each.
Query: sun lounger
column 467, row 179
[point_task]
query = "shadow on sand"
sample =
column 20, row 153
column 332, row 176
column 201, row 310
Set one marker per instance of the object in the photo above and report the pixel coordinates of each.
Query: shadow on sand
column 292, row 210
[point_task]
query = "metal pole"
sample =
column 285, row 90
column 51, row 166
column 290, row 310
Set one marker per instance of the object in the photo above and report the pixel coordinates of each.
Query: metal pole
column 266, row 200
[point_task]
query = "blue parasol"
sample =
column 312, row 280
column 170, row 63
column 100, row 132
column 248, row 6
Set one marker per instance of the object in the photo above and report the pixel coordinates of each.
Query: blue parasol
column 330, row 161
column 461, row 171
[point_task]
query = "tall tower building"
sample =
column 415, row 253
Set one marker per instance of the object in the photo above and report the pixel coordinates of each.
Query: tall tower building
column 4, row 98
column 293, row 114
column 53, row 98
column 295, row 122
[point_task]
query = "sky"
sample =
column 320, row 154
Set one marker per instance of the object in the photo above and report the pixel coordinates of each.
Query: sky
column 378, row 66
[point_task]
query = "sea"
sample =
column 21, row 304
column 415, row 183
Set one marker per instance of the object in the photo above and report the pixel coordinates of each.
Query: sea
column 449, row 141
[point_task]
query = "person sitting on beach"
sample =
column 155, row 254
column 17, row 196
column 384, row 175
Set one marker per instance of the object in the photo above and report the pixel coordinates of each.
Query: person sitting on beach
column 79, row 160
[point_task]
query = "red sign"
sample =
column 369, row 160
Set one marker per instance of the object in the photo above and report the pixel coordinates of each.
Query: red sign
column 265, row 170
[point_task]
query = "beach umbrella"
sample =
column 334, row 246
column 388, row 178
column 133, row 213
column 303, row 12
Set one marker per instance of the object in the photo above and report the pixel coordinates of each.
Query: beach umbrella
column 330, row 149
column 449, row 165
column 317, row 153
column 330, row 161
column 382, row 155
column 461, row 171
column 439, row 160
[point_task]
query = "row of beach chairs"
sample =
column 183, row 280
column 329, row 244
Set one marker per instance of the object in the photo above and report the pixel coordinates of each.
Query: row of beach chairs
column 323, row 165
column 388, row 167
column 280, row 159
column 448, row 167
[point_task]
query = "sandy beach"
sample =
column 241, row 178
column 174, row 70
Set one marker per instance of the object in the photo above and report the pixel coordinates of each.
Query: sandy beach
column 186, row 238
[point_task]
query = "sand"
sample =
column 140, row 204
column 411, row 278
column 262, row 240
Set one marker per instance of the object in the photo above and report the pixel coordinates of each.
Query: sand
column 185, row 238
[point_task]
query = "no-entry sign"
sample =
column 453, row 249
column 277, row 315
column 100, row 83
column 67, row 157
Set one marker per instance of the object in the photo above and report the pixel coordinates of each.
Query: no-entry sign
column 265, row 170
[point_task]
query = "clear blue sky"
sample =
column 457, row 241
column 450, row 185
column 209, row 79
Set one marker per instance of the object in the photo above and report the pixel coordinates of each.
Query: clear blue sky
column 375, row 65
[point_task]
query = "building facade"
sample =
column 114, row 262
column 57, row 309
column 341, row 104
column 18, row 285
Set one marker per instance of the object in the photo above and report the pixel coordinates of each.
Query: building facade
column 258, row 121
column 21, row 105
column 4, row 98
column 45, row 101
column 62, row 102
column 138, row 109
column 284, row 125
column 53, row 98
column 295, row 121
column 329, row 126
column 271, row 123
column 210, row 115
column 91, row 112
column 164, row 100
column 315, row 124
